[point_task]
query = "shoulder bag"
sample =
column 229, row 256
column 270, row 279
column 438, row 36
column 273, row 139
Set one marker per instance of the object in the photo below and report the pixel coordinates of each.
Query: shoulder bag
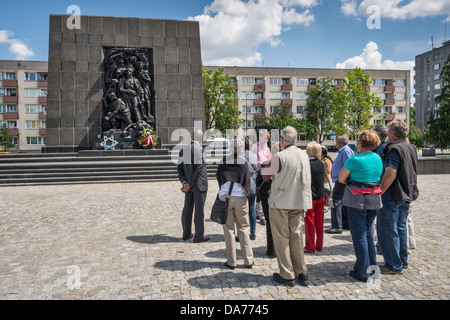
column 219, row 211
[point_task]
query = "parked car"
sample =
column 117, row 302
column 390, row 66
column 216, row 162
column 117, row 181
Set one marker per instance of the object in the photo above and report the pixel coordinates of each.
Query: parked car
column 332, row 148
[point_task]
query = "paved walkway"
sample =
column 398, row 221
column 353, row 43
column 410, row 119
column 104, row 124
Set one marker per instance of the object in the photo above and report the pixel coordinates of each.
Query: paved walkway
column 122, row 241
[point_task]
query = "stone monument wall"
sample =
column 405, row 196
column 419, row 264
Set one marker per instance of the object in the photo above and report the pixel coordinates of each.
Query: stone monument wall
column 75, row 110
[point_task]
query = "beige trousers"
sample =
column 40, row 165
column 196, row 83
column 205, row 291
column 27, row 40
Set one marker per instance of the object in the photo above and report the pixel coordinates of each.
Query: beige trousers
column 238, row 215
column 288, row 241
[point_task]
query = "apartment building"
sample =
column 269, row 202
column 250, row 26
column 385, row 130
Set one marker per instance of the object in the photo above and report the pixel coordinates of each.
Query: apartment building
column 260, row 90
column 23, row 102
column 428, row 83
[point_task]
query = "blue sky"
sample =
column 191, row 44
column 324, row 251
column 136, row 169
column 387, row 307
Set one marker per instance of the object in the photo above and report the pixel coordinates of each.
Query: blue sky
column 271, row 33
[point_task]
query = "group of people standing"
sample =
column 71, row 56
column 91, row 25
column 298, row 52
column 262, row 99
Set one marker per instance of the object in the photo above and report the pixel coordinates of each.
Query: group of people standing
column 293, row 186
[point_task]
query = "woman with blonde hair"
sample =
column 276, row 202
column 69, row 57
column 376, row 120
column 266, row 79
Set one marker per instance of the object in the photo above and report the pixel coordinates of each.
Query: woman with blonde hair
column 314, row 217
column 359, row 188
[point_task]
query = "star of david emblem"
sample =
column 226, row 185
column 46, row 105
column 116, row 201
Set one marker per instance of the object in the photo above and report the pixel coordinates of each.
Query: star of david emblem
column 109, row 143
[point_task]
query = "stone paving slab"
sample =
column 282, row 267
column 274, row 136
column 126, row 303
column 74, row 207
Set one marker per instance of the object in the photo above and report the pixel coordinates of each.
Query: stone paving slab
column 122, row 241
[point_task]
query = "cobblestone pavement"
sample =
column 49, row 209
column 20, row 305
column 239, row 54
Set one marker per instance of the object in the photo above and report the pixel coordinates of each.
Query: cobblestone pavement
column 122, row 241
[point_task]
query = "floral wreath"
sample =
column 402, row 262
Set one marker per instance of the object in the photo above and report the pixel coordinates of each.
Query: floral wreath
column 148, row 139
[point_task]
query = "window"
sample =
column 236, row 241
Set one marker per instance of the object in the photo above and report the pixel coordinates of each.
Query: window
column 276, row 96
column 301, row 109
column 400, row 83
column 11, row 124
column 399, row 96
column 382, row 96
column 302, row 82
column 437, row 76
column 388, row 109
column 7, row 76
column 276, row 81
column 285, row 95
column 312, row 81
column 34, row 93
column 11, row 92
column 35, row 124
column 35, row 76
column 437, row 86
column 248, row 81
column 253, row 109
column 249, row 124
column 5, row 108
column 35, row 140
column 302, row 96
column 285, row 81
column 400, row 109
column 437, row 56
column 436, row 66
column 35, row 108
column 378, row 82
column 248, row 95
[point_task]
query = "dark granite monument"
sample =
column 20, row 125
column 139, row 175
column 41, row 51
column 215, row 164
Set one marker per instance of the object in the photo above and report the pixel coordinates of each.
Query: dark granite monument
column 116, row 76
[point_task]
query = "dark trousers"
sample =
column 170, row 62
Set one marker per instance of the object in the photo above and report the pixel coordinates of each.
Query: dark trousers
column 265, row 207
column 191, row 199
column 339, row 215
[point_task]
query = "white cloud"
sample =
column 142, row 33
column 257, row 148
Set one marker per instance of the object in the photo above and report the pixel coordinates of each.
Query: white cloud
column 348, row 7
column 397, row 9
column 233, row 30
column 16, row 47
column 371, row 58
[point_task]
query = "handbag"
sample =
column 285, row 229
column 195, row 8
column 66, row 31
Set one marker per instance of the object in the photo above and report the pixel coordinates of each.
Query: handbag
column 219, row 211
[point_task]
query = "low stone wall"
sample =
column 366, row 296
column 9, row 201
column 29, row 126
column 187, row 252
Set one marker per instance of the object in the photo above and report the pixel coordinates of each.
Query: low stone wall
column 434, row 165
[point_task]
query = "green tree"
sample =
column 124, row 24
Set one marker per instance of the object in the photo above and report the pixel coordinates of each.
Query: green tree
column 438, row 126
column 354, row 105
column 6, row 139
column 302, row 127
column 319, row 111
column 221, row 110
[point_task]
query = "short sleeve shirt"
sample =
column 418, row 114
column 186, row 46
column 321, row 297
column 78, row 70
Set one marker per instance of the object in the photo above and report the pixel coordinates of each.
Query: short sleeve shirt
column 392, row 159
column 365, row 167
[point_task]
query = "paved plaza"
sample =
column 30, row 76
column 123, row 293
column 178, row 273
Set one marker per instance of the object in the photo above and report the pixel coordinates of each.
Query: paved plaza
column 123, row 241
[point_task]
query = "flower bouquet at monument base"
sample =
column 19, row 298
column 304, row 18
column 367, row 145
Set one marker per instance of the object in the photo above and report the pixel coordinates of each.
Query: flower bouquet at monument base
column 148, row 139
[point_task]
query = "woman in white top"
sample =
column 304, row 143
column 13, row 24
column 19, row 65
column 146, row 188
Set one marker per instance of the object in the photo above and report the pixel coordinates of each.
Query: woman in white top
column 233, row 171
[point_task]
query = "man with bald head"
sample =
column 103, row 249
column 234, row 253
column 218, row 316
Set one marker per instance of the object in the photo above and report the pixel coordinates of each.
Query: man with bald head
column 192, row 173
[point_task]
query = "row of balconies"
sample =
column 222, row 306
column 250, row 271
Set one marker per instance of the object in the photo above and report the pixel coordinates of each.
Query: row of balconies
column 15, row 115
column 15, row 99
column 15, row 131
column 289, row 87
column 13, row 83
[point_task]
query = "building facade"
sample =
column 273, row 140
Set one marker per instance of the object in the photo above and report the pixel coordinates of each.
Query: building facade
column 23, row 102
column 260, row 90
column 428, row 83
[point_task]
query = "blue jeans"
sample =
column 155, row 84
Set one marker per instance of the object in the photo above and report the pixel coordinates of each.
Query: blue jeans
column 360, row 222
column 252, row 213
column 392, row 233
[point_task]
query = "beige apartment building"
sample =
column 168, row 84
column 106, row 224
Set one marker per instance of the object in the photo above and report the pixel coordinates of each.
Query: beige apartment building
column 23, row 102
column 259, row 90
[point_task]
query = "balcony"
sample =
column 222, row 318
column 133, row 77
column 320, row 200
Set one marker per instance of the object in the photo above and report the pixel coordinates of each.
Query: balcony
column 42, row 116
column 10, row 99
column 389, row 88
column 260, row 87
column 390, row 116
column 14, row 131
column 42, row 84
column 9, row 83
column 259, row 116
column 260, row 101
column 286, row 87
column 10, row 115
column 286, row 102
column 42, row 132
column 367, row 87
column 42, row 99
column 236, row 86
column 311, row 86
column 389, row 102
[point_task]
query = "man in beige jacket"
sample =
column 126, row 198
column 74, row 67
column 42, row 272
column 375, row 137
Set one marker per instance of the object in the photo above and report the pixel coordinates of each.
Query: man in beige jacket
column 290, row 195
